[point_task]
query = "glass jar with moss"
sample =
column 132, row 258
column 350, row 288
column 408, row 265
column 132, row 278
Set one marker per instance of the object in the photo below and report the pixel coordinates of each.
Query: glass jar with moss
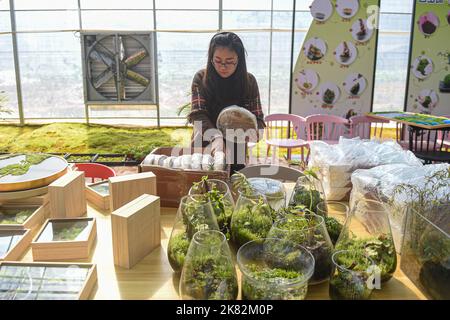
column 351, row 279
column 221, row 199
column 251, row 220
column 307, row 230
column 195, row 213
column 335, row 214
column 208, row 272
column 274, row 269
column 308, row 191
column 368, row 229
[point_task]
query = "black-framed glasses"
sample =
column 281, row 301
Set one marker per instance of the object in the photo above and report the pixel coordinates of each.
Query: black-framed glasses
column 224, row 64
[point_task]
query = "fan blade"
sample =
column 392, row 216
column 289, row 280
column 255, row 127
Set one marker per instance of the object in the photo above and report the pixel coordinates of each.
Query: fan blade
column 136, row 77
column 102, row 78
column 135, row 58
column 100, row 56
column 121, row 49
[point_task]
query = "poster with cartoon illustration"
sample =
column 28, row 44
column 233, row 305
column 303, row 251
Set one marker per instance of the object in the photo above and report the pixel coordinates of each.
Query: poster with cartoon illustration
column 428, row 89
column 335, row 68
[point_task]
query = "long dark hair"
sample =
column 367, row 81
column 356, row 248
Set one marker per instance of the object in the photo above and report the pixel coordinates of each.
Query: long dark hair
column 220, row 91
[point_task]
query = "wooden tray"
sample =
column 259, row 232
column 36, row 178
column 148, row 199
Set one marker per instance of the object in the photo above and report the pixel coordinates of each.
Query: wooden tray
column 100, row 200
column 15, row 243
column 33, row 221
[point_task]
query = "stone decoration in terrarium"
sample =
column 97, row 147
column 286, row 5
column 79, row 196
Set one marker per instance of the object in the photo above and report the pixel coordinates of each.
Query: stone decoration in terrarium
column 309, row 231
column 274, row 269
column 351, row 279
column 208, row 272
column 195, row 213
column 221, row 199
column 367, row 230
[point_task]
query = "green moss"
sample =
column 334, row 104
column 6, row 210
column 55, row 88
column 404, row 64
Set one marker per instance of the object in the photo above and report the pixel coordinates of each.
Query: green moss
column 447, row 81
column 334, row 228
column 68, row 233
column 177, row 250
column 23, row 166
column 308, row 198
column 14, row 216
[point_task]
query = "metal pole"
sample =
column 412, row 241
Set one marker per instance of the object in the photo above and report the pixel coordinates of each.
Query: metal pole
column 16, row 62
column 270, row 57
column 155, row 50
column 292, row 55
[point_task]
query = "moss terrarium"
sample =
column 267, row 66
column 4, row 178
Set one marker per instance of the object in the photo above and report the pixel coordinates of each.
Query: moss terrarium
column 11, row 215
column 22, row 167
column 274, row 269
column 307, row 230
column 221, row 199
column 195, row 213
column 308, row 191
column 60, row 230
column 208, row 272
column 352, row 270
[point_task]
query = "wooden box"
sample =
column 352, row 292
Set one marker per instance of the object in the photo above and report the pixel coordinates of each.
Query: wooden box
column 47, row 281
column 67, row 196
column 13, row 243
column 23, row 215
column 136, row 230
column 173, row 184
column 124, row 189
column 98, row 194
column 65, row 239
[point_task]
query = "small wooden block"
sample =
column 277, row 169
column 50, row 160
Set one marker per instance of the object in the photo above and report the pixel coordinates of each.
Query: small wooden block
column 123, row 189
column 67, row 196
column 100, row 200
column 14, row 249
column 136, row 230
column 50, row 250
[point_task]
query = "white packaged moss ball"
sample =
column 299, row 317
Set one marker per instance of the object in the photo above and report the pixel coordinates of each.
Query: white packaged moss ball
column 207, row 162
column 161, row 159
column 186, row 161
column 219, row 161
column 168, row 162
column 176, row 162
column 196, row 162
column 149, row 159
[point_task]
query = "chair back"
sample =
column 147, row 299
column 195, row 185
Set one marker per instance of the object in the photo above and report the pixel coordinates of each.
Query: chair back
column 361, row 126
column 284, row 126
column 272, row 171
column 325, row 127
column 95, row 171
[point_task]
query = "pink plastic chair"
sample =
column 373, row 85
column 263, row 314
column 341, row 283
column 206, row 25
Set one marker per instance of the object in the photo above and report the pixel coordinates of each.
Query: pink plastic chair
column 360, row 126
column 327, row 128
column 277, row 133
column 95, row 171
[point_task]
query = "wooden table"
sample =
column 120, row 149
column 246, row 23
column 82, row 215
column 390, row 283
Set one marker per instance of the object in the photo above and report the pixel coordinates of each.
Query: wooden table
column 153, row 278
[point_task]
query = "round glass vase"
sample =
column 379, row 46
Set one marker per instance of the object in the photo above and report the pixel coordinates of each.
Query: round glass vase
column 208, row 272
column 221, row 199
column 335, row 214
column 367, row 229
column 195, row 213
column 351, row 279
column 272, row 189
column 308, row 192
column 309, row 231
column 274, row 269
column 251, row 220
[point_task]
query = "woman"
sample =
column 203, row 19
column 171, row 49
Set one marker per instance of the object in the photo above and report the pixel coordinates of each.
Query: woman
column 223, row 83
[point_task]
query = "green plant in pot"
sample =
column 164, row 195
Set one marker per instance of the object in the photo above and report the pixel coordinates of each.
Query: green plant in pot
column 208, row 272
column 195, row 213
column 221, row 199
column 308, row 191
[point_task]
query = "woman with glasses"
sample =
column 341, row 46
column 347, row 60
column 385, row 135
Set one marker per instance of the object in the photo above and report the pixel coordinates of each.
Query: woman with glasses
column 224, row 82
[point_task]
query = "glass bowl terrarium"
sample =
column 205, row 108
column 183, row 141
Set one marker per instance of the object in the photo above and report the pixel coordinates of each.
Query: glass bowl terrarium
column 272, row 189
column 251, row 220
column 274, row 269
column 309, row 231
column 308, row 192
column 208, row 271
column 195, row 213
column 221, row 199
column 367, row 229
column 351, row 279
column 335, row 214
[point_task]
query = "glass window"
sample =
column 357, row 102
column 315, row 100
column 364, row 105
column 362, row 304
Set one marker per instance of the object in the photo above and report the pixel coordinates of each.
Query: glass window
column 4, row 4
column 5, row 24
column 46, row 20
column 246, row 19
column 397, row 6
column 8, row 76
column 116, row 4
column 191, row 4
column 247, row 4
column 284, row 5
column 187, row 20
column 44, row 4
column 280, row 75
column 51, row 74
column 117, row 20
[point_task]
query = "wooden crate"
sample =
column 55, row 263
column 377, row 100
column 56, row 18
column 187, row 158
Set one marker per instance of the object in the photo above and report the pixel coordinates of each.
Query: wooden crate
column 46, row 249
column 35, row 287
column 14, row 251
column 136, row 230
column 173, row 184
column 123, row 189
column 34, row 221
column 100, row 200
column 67, row 196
